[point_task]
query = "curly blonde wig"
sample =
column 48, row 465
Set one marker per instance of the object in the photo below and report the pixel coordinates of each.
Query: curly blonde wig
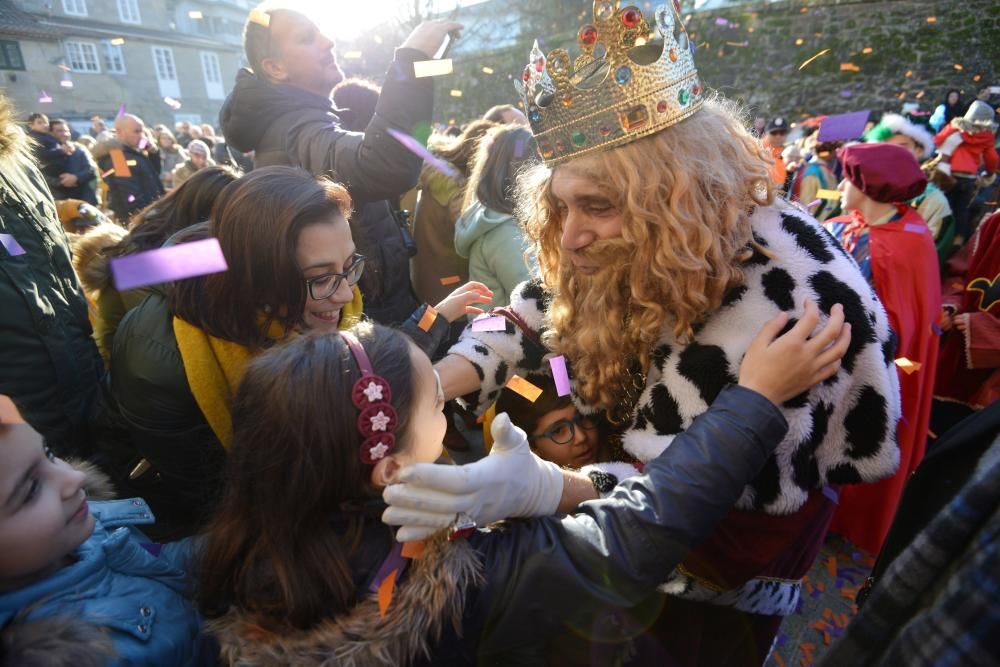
column 686, row 195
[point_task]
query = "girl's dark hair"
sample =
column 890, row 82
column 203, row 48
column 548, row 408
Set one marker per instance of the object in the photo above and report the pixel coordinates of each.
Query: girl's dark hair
column 460, row 150
column 187, row 204
column 359, row 97
column 525, row 414
column 281, row 541
column 500, row 157
column 257, row 220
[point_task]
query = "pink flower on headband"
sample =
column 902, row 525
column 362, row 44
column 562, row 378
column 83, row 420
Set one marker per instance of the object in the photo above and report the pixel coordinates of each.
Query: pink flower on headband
column 380, row 421
column 373, row 392
column 378, row 451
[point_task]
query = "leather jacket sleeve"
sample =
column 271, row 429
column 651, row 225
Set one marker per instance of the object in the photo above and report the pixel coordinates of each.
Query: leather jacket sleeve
column 373, row 165
column 614, row 552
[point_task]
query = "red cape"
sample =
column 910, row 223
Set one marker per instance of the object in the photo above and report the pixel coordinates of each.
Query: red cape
column 907, row 281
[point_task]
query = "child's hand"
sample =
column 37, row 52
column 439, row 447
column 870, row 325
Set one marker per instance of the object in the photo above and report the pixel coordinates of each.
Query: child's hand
column 459, row 302
column 783, row 368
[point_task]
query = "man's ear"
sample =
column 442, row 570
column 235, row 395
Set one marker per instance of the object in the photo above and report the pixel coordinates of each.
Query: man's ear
column 273, row 69
column 386, row 471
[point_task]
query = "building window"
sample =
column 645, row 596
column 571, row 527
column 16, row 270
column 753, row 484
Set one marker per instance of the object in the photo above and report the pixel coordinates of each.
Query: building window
column 75, row 7
column 10, row 55
column 128, row 11
column 213, row 76
column 82, row 57
column 166, row 71
column 114, row 59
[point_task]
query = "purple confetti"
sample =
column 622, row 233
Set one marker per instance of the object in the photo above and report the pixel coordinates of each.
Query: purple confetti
column 843, row 127
column 143, row 142
column 847, row 92
column 559, row 375
column 832, row 494
column 420, row 151
column 121, row 111
column 10, row 243
column 721, row 21
column 936, row 328
column 813, row 203
column 163, row 265
column 496, row 323
column 916, row 228
column 152, row 547
column 44, row 98
column 131, row 198
column 518, row 149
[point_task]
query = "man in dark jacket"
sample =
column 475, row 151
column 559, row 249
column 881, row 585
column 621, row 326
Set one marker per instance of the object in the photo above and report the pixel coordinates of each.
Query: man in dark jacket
column 130, row 164
column 281, row 110
column 49, row 364
column 46, row 148
column 72, row 177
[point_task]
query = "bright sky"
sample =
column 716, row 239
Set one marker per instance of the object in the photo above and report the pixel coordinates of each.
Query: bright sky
column 345, row 18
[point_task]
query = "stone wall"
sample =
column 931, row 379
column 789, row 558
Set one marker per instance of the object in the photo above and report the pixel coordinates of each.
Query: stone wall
column 903, row 51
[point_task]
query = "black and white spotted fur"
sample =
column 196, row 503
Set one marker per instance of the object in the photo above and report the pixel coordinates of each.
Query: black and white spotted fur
column 842, row 431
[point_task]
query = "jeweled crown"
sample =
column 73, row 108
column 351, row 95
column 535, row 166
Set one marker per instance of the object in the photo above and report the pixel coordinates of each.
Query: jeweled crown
column 621, row 88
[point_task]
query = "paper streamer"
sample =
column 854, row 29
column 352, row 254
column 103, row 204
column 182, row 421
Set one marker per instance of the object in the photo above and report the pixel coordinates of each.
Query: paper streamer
column 10, row 243
column 821, row 53
column 426, row 68
column 524, row 388
column 827, row 194
column 385, row 591
column 907, row 366
column 451, row 280
column 559, row 375
column 419, row 150
column 496, row 323
column 164, row 265
column 427, row 319
column 843, row 127
column 814, row 202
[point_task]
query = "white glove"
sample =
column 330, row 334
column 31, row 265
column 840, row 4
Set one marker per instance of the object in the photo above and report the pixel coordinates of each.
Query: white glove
column 510, row 482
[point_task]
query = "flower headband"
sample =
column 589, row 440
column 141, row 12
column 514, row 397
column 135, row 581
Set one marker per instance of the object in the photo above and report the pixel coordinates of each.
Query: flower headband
column 371, row 395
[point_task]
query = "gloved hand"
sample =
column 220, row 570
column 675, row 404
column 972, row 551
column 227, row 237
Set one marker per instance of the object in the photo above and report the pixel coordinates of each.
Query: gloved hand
column 510, row 482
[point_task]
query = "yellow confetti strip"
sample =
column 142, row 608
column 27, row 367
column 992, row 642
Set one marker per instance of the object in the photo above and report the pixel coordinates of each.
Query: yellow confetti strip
column 867, row 50
column 487, row 70
column 426, row 68
column 456, row 93
column 907, row 366
column 260, row 18
column 828, row 194
column 821, row 53
column 524, row 388
column 427, row 319
column 117, row 41
column 451, row 280
column 195, row 14
column 799, row 42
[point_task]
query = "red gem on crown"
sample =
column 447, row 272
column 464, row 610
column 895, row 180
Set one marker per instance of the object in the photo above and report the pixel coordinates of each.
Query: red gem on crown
column 588, row 35
column 631, row 17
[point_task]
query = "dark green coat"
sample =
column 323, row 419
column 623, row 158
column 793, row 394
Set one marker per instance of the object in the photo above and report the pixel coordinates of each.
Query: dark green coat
column 49, row 364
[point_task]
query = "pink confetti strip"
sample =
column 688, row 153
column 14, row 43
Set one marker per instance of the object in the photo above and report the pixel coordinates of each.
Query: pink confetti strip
column 10, row 243
column 122, row 110
column 163, row 265
column 496, row 323
column 559, row 375
column 420, row 151
column 813, row 203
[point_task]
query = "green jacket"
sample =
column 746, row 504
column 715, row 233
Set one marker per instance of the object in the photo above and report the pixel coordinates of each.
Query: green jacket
column 49, row 364
column 495, row 246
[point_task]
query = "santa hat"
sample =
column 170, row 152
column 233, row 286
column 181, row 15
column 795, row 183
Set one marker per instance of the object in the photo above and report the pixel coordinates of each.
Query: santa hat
column 886, row 173
column 893, row 123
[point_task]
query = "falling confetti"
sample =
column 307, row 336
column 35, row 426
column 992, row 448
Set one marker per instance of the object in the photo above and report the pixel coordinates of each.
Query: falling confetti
column 487, row 70
column 117, row 41
column 122, row 110
column 426, row 68
column 44, row 98
column 427, row 319
column 456, row 93
column 172, row 103
column 524, row 388
column 450, row 280
column 163, row 265
column 821, row 53
column 421, row 151
column 560, row 375
column 827, row 194
column 849, row 67
column 495, row 323
column 259, row 17
column 907, row 366
column 10, row 243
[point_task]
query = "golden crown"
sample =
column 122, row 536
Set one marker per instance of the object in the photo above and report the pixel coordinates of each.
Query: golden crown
column 621, row 88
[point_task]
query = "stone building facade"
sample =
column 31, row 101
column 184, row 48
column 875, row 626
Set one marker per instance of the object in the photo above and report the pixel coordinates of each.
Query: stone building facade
column 165, row 60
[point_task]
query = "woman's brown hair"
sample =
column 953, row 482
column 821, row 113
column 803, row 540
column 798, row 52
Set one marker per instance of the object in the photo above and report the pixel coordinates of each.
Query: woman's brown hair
column 257, row 220
column 460, row 150
column 501, row 155
column 280, row 544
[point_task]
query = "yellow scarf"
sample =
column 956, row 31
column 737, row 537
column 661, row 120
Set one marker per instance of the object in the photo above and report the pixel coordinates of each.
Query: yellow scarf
column 214, row 367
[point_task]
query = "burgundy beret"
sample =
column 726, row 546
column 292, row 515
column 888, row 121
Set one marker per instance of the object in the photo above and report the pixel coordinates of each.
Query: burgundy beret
column 885, row 172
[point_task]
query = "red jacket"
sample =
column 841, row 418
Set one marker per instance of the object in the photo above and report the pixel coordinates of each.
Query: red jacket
column 974, row 150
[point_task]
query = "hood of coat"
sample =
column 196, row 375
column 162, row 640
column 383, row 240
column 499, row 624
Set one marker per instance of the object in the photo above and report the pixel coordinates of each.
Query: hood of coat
column 432, row 595
column 255, row 103
column 476, row 221
column 974, row 136
column 90, row 258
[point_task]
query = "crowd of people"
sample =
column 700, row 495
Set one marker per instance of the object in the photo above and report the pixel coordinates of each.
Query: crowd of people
column 575, row 384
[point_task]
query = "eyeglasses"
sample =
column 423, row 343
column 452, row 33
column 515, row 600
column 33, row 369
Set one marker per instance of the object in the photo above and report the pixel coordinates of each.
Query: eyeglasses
column 563, row 431
column 323, row 286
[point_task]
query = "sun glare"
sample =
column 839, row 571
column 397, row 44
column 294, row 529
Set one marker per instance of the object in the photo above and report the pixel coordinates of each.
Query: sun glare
column 343, row 19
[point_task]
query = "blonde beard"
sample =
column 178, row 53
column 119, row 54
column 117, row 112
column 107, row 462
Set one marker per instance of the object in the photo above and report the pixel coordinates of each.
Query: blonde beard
column 591, row 324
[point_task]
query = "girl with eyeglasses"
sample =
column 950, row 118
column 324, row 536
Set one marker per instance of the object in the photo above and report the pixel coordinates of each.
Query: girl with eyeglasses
column 178, row 358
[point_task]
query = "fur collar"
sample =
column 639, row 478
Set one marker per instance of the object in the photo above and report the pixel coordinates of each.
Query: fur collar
column 432, row 594
column 90, row 254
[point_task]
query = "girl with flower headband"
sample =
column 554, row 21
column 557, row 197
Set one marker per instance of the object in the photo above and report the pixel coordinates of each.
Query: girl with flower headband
column 298, row 569
column 178, row 357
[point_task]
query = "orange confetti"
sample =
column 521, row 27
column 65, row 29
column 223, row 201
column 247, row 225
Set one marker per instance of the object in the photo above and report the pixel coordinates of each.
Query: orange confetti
column 932, row 19
column 820, row 586
column 107, row 173
column 427, row 319
column 799, row 41
column 867, row 50
column 831, row 566
column 958, row 68
column 524, row 388
column 849, row 67
column 778, row 660
column 450, row 280
column 413, row 550
column 909, row 73
column 119, row 164
column 260, row 17
column 977, row 77
column 907, row 366
column 385, row 591
column 821, row 53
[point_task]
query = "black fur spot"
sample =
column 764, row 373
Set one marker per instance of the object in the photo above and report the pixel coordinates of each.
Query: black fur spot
column 707, row 368
column 479, row 371
column 797, row 401
column 759, row 240
column 866, row 424
column 733, row 295
column 767, row 484
column 757, row 258
column 481, row 349
column 532, row 354
column 500, row 377
column 535, row 290
column 808, row 237
column 843, row 473
column 836, row 244
column 778, row 287
column 660, row 355
column 492, row 395
column 805, row 469
column 831, row 291
column 662, row 412
column 889, row 349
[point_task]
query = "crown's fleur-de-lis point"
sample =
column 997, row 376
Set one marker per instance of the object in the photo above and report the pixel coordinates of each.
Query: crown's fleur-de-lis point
column 621, row 87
